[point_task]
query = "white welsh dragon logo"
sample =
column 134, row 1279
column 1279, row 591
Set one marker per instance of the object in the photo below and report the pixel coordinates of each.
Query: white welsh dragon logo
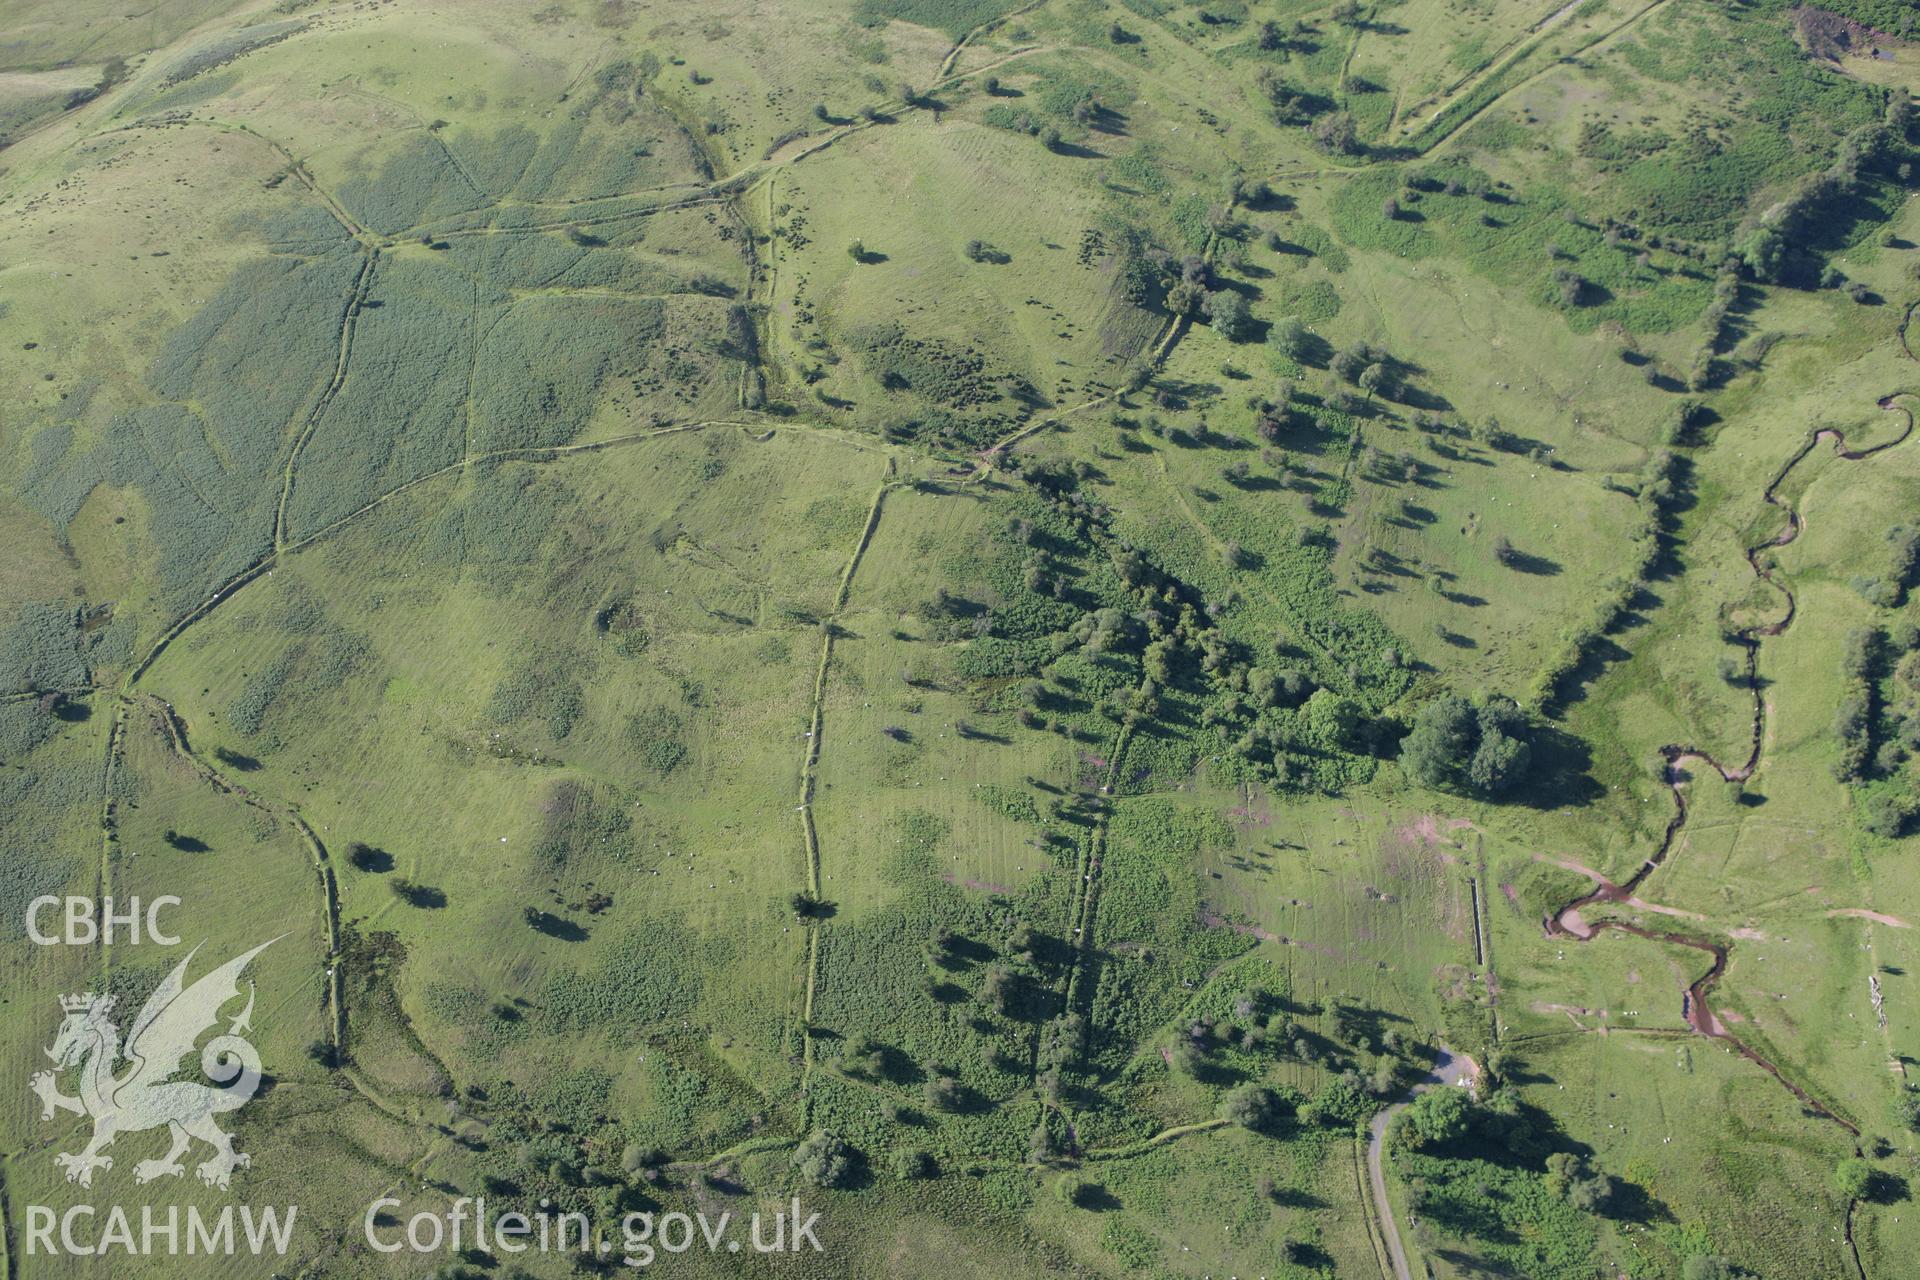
column 147, row 1097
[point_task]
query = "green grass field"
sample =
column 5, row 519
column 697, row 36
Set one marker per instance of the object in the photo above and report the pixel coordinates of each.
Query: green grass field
column 1003, row 617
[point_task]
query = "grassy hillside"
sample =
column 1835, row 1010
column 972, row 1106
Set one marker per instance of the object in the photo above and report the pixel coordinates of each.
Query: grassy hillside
column 1006, row 618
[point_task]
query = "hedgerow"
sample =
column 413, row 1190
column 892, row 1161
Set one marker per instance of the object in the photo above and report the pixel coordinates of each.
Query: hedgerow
column 1520, row 240
column 1658, row 481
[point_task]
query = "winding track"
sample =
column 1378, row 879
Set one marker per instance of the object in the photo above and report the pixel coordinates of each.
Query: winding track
column 1450, row 1070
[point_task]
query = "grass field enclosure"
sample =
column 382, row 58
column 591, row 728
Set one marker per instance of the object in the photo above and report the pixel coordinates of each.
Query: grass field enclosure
column 1010, row 618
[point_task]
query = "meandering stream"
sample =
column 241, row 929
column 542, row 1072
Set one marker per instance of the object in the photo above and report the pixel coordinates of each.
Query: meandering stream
column 1569, row 922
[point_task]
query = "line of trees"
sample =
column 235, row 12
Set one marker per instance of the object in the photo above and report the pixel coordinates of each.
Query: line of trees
column 1658, row 488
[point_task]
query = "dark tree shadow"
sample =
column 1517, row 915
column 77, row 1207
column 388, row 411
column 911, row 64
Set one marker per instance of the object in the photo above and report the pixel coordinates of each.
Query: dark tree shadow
column 1527, row 562
column 556, row 926
column 1561, row 773
column 425, row 896
column 365, row 857
column 234, row 760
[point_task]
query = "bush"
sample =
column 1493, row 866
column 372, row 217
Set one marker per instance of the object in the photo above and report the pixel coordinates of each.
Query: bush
column 1078, row 1190
column 364, row 857
column 1886, row 812
column 1854, row 1178
column 824, row 1160
column 944, row 1093
column 912, row 1165
column 1577, row 1180
column 1252, row 1107
column 1289, row 337
column 1440, row 1116
column 1230, row 315
column 1336, row 133
column 863, row 1056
